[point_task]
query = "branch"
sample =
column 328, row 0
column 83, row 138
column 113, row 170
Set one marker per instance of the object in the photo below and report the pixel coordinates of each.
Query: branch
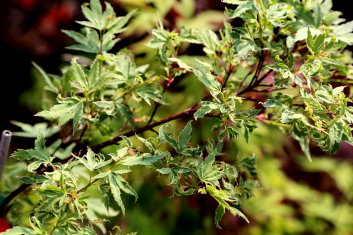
column 118, row 137
column 249, row 88
column 157, row 104
column 229, row 72
column 4, row 208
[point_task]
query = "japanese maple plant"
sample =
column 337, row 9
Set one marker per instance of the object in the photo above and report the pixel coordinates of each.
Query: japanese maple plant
column 276, row 67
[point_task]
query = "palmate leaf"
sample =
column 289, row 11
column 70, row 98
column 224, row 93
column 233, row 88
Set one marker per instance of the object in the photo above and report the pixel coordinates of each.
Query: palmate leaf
column 125, row 68
column 184, row 136
column 111, row 88
column 286, row 76
column 90, row 40
column 94, row 15
column 279, row 14
column 208, row 172
column 304, row 145
column 175, row 173
column 115, row 109
column 148, row 93
column 96, row 209
column 315, row 43
column 39, row 155
column 117, row 184
column 223, row 198
column 51, row 195
column 32, row 131
column 93, row 161
column 67, row 109
column 244, row 46
column 104, row 20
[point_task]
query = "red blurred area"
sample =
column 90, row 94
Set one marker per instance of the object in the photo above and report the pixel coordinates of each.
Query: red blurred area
column 4, row 225
column 35, row 26
column 26, row 4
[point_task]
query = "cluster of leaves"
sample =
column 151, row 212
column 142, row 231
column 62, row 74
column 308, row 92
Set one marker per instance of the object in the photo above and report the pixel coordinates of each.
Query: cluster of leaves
column 295, row 203
column 277, row 68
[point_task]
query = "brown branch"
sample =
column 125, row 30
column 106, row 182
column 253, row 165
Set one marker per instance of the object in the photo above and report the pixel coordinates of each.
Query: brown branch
column 150, row 126
column 4, row 205
column 256, row 83
column 188, row 112
column 229, row 72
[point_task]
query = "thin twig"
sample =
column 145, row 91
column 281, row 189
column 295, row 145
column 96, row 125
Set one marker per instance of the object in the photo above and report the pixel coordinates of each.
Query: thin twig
column 257, row 83
column 150, row 126
column 4, row 208
column 229, row 72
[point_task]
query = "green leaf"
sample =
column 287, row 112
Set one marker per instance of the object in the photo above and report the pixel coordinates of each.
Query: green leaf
column 21, row 155
column 304, row 145
column 94, row 74
column 223, row 198
column 39, row 154
column 206, row 107
column 270, row 103
column 117, row 25
column 52, row 196
column 118, row 183
column 343, row 32
column 203, row 74
column 35, row 179
column 166, row 137
column 279, row 14
column 145, row 159
column 93, row 15
column 150, row 93
column 125, row 112
column 93, row 161
column 77, row 116
column 208, row 172
column 17, row 230
column 32, row 131
column 146, row 143
column 220, row 211
column 79, row 74
column 315, row 44
column 101, row 175
column 88, row 41
column 184, row 137
column 245, row 10
column 67, row 109
column 209, row 39
column 235, row 2
column 50, row 86
column 181, row 63
column 244, row 47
